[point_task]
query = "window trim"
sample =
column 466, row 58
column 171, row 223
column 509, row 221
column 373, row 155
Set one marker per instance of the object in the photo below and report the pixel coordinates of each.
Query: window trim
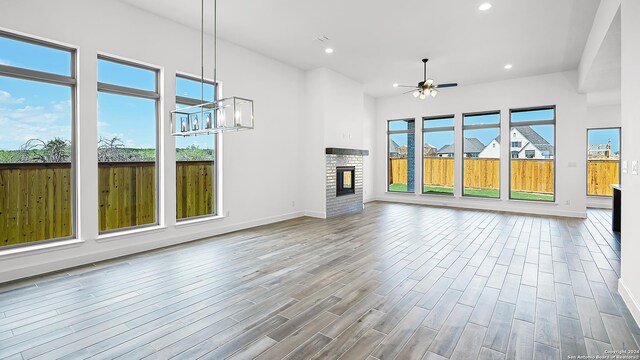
column 144, row 94
column 498, row 126
column 72, row 84
column 73, row 52
column 437, row 129
column 513, row 124
column 619, row 128
column 216, row 141
column 393, row 132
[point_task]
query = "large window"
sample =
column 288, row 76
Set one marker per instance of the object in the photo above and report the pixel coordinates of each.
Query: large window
column 481, row 148
column 603, row 161
column 401, row 154
column 533, row 163
column 37, row 97
column 195, row 156
column 438, row 150
column 127, row 157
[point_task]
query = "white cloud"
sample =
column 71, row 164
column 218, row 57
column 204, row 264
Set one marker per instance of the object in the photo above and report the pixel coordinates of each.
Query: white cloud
column 4, row 62
column 16, row 132
column 7, row 98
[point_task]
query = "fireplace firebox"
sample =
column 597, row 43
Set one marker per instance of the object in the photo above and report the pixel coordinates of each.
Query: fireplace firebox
column 345, row 180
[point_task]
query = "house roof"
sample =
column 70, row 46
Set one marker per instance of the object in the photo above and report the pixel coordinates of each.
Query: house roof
column 393, row 146
column 534, row 138
column 471, row 145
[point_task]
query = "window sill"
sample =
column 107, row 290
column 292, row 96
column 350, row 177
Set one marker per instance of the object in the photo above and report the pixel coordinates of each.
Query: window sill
column 451, row 196
column 534, row 202
column 125, row 234
column 480, row 198
column 399, row 193
column 206, row 219
column 35, row 248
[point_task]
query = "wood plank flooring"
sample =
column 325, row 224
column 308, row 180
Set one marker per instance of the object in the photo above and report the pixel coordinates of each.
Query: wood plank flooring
column 394, row 282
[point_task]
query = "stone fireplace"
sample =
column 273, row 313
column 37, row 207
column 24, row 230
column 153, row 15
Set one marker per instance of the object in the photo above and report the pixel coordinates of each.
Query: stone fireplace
column 344, row 180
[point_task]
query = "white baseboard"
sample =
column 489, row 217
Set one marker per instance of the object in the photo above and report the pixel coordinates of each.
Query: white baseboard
column 629, row 300
column 316, row 214
column 55, row 265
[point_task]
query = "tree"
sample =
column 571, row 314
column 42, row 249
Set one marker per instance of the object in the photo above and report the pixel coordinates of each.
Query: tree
column 113, row 150
column 53, row 151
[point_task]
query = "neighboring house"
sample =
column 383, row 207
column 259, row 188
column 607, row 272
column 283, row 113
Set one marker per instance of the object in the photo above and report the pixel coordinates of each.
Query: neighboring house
column 525, row 143
column 492, row 150
column 403, row 151
column 602, row 152
column 429, row 150
column 472, row 148
column 393, row 149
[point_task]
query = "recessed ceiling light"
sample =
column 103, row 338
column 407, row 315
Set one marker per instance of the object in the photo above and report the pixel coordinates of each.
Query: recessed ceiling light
column 485, row 7
column 395, row 85
column 508, row 67
column 328, row 50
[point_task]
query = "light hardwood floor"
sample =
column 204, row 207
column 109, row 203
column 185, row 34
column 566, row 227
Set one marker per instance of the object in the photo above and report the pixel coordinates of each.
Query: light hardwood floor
column 394, row 282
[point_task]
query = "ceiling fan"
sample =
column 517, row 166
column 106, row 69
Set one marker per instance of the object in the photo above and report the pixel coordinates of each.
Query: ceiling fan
column 426, row 86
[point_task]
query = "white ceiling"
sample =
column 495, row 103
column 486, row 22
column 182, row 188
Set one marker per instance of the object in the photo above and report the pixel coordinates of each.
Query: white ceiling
column 605, row 73
column 381, row 42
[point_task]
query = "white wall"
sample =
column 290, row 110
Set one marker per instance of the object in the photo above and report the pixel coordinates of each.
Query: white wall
column 630, row 251
column 257, row 165
column 555, row 89
column 335, row 118
column 368, row 143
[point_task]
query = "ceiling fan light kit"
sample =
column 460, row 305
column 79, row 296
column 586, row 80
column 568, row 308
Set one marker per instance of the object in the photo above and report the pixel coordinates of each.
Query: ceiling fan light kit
column 427, row 86
column 223, row 115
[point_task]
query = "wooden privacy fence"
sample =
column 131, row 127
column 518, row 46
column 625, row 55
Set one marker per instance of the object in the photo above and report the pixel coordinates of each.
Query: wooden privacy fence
column 194, row 189
column 481, row 173
column 126, row 194
column 532, row 175
column 35, row 202
column 438, row 171
column 36, row 199
column 600, row 175
column 527, row 175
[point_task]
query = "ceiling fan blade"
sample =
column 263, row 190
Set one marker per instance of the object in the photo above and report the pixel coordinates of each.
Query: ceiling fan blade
column 410, row 91
column 407, row 86
column 440, row 86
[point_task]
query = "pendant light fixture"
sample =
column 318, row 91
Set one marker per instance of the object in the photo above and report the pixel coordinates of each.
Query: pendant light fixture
column 228, row 114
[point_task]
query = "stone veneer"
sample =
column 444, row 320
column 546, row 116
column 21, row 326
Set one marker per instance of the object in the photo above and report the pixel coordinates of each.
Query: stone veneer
column 345, row 204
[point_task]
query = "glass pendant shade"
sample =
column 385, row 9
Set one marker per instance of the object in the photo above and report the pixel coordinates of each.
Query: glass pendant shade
column 234, row 114
column 423, row 96
column 229, row 114
column 416, row 94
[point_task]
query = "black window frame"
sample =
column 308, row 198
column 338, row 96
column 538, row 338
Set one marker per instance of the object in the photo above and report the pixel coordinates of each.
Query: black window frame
column 145, row 94
column 216, row 141
column 619, row 128
column 515, row 124
column 394, row 132
column 438, row 129
column 477, row 127
column 70, row 81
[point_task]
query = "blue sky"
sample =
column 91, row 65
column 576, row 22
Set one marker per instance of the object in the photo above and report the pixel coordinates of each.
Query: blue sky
column 602, row 136
column 31, row 109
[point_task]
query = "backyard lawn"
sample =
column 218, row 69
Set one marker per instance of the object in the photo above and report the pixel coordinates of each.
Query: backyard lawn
column 493, row 193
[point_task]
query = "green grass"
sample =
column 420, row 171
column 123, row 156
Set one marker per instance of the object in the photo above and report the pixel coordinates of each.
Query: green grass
column 490, row 193
column 531, row 196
